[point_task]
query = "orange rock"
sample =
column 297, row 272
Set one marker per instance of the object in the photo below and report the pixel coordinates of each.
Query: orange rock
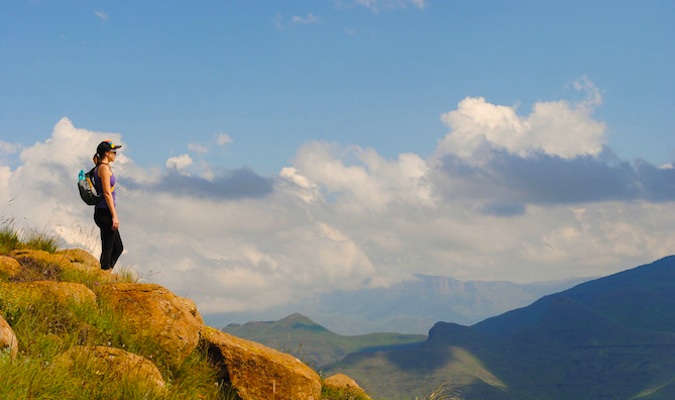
column 345, row 384
column 259, row 372
column 9, row 267
column 62, row 265
column 111, row 364
column 61, row 292
column 8, row 340
column 155, row 312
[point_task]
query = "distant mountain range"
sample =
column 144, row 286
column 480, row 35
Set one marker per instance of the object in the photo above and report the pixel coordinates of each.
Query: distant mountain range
column 610, row 338
column 314, row 344
column 409, row 307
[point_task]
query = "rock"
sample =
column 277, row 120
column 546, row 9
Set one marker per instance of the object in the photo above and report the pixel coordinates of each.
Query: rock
column 9, row 267
column 346, row 386
column 258, row 372
column 155, row 312
column 60, row 292
column 8, row 340
column 63, row 265
column 81, row 257
column 110, row 364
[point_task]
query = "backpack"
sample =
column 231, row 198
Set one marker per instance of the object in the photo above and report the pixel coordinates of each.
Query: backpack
column 85, row 184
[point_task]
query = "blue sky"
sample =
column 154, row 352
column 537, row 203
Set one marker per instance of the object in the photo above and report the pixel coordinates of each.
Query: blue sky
column 274, row 75
column 306, row 146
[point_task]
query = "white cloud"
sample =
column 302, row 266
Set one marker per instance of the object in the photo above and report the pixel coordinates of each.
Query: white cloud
column 347, row 217
column 306, row 20
column 281, row 22
column 180, row 163
column 377, row 5
column 362, row 180
column 101, row 15
column 223, row 139
column 198, row 148
column 9, row 148
column 553, row 128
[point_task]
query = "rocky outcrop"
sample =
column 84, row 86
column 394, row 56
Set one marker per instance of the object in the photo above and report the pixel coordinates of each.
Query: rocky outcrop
column 8, row 342
column 346, row 386
column 259, row 372
column 42, row 265
column 171, row 321
column 111, row 365
column 58, row 292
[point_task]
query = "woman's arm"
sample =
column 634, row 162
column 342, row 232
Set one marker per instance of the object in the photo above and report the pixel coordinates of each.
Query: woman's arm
column 105, row 173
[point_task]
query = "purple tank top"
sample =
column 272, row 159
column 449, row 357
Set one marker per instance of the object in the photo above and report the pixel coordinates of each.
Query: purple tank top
column 98, row 185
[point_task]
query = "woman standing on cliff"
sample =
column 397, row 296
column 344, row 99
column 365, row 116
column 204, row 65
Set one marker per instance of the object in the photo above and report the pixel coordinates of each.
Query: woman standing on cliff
column 105, row 213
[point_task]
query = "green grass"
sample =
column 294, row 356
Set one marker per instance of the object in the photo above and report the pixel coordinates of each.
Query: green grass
column 14, row 239
column 46, row 328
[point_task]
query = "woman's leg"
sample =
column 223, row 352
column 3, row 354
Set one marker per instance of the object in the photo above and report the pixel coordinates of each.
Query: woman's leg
column 117, row 248
column 103, row 220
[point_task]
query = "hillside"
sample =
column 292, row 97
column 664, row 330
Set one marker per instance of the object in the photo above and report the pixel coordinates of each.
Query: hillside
column 314, row 344
column 69, row 330
column 408, row 307
column 611, row 338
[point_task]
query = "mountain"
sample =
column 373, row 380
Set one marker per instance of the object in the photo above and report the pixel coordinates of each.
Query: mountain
column 314, row 344
column 610, row 338
column 409, row 307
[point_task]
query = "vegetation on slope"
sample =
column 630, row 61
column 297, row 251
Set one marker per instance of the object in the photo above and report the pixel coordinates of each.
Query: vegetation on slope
column 45, row 329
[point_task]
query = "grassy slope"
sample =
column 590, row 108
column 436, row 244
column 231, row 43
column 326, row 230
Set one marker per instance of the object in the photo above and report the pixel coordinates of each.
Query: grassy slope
column 45, row 329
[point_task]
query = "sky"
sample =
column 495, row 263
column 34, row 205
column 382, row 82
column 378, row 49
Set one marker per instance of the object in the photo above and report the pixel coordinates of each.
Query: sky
column 274, row 151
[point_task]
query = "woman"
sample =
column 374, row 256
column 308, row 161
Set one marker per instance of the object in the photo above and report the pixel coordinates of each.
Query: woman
column 105, row 213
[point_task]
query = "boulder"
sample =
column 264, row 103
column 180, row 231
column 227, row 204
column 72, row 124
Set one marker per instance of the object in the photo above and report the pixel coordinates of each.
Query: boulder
column 8, row 342
column 59, row 292
column 258, row 372
column 110, row 364
column 63, row 265
column 9, row 267
column 156, row 313
column 81, row 258
column 346, row 386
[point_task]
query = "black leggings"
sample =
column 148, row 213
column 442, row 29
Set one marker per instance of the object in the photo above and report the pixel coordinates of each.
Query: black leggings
column 111, row 242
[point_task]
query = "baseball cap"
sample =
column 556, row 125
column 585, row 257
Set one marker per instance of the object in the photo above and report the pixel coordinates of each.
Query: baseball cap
column 106, row 146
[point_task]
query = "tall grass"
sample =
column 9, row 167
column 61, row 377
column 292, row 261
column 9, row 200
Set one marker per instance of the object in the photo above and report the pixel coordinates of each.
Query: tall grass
column 12, row 239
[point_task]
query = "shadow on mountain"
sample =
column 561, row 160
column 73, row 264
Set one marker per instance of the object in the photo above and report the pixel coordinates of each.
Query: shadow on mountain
column 611, row 338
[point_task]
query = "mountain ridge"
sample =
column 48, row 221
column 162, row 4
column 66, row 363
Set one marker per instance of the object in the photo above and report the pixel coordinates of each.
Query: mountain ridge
column 410, row 307
column 610, row 338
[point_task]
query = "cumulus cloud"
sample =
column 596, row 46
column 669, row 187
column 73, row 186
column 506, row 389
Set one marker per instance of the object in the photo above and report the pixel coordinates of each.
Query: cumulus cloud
column 360, row 179
column 504, row 200
column 180, row 163
column 555, row 128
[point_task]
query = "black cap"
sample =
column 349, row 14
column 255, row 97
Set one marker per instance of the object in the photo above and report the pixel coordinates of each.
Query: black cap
column 106, row 146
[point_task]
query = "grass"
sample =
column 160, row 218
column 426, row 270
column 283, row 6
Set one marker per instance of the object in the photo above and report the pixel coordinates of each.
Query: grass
column 46, row 328
column 13, row 239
